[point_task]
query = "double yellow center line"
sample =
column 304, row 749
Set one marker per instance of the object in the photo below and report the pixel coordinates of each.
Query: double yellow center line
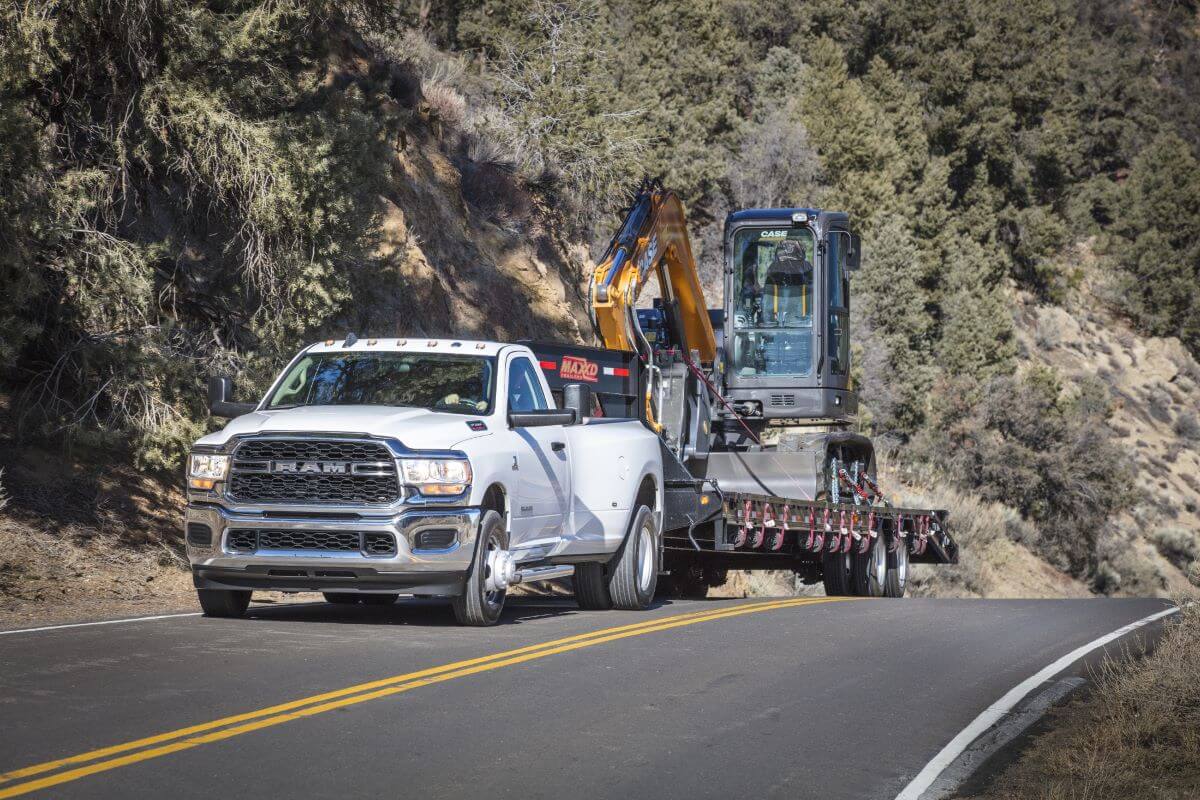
column 120, row 755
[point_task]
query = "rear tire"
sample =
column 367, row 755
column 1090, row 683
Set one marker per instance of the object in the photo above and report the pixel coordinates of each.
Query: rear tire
column 591, row 587
column 897, row 571
column 340, row 598
column 223, row 602
column 634, row 575
column 476, row 606
column 835, row 574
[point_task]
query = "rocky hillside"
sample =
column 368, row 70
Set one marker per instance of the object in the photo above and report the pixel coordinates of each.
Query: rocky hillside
column 188, row 188
column 1154, row 384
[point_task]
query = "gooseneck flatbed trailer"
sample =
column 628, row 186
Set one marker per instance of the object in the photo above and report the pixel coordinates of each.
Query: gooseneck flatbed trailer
column 846, row 533
column 752, row 402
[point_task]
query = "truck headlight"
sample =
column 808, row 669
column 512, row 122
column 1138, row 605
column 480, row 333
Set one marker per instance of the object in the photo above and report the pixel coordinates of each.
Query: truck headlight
column 444, row 476
column 205, row 469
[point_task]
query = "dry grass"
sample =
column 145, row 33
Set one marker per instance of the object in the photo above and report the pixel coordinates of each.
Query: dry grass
column 1136, row 735
column 996, row 557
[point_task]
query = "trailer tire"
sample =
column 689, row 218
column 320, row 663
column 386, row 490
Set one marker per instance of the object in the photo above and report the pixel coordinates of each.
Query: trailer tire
column 897, row 571
column 230, row 603
column 835, row 574
column 686, row 583
column 476, row 606
column 869, row 572
column 378, row 599
column 634, row 574
column 591, row 587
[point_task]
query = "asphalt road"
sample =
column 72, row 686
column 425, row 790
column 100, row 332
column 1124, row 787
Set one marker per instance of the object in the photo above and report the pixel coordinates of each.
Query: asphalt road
column 795, row 699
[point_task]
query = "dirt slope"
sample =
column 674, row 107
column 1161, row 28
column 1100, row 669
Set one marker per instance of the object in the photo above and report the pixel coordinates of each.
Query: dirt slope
column 1155, row 386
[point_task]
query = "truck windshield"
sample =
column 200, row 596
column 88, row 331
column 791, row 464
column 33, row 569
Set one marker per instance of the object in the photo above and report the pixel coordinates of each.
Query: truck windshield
column 453, row 383
column 772, row 301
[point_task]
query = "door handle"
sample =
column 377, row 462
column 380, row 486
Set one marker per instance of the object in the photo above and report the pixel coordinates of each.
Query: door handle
column 558, row 447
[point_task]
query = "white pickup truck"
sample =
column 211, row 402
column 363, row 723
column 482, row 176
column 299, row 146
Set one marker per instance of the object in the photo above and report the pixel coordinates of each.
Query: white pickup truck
column 374, row 468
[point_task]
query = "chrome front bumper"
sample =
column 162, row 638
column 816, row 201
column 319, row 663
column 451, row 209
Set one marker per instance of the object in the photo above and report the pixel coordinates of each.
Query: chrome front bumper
column 409, row 571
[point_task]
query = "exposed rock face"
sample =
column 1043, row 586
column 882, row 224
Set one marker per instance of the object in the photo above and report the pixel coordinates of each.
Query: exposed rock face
column 1155, row 386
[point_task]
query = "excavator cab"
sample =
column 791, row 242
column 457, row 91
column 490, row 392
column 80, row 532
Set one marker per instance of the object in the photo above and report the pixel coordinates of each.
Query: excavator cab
column 787, row 309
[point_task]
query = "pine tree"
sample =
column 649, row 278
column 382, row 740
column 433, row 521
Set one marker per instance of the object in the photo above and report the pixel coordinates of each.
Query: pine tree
column 976, row 335
column 1162, row 225
column 894, row 326
column 860, row 159
column 679, row 64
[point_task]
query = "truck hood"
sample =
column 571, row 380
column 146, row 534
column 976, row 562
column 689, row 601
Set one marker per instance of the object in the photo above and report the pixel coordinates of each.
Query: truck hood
column 417, row 428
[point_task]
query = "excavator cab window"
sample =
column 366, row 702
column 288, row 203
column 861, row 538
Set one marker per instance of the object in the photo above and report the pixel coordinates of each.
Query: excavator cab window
column 839, row 304
column 773, row 302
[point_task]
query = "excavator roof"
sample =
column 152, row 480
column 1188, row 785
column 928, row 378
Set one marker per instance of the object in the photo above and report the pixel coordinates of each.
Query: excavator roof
column 776, row 215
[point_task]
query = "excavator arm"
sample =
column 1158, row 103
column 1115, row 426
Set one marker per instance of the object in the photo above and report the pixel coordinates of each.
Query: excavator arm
column 652, row 239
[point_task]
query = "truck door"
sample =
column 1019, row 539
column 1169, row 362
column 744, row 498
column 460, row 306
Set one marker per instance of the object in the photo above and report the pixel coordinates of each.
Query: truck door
column 544, row 481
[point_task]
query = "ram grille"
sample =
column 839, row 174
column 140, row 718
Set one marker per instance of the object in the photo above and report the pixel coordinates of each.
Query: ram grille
column 313, row 472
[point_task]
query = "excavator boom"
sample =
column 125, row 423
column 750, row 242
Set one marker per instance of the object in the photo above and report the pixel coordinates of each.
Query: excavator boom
column 652, row 239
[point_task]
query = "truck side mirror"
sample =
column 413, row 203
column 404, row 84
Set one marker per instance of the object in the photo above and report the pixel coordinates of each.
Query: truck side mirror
column 854, row 257
column 541, row 418
column 220, row 389
column 578, row 398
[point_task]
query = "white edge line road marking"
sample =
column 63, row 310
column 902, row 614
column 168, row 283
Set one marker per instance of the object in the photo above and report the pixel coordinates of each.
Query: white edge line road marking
column 148, row 619
column 998, row 709
column 101, row 622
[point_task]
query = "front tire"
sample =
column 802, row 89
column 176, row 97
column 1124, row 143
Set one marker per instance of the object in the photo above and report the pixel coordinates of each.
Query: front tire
column 477, row 606
column 230, row 603
column 634, row 574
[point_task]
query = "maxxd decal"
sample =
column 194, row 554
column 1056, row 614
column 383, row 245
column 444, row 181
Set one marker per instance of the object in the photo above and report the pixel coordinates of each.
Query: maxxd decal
column 574, row 368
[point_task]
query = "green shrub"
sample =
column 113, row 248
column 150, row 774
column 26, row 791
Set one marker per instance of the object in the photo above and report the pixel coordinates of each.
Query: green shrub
column 1178, row 545
column 1031, row 444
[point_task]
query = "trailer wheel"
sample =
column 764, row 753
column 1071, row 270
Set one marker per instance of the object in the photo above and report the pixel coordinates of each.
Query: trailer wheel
column 223, row 602
column 835, row 574
column 591, row 587
column 378, row 599
column 688, row 583
column 897, row 572
column 634, row 574
column 477, row 606
column 869, row 572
